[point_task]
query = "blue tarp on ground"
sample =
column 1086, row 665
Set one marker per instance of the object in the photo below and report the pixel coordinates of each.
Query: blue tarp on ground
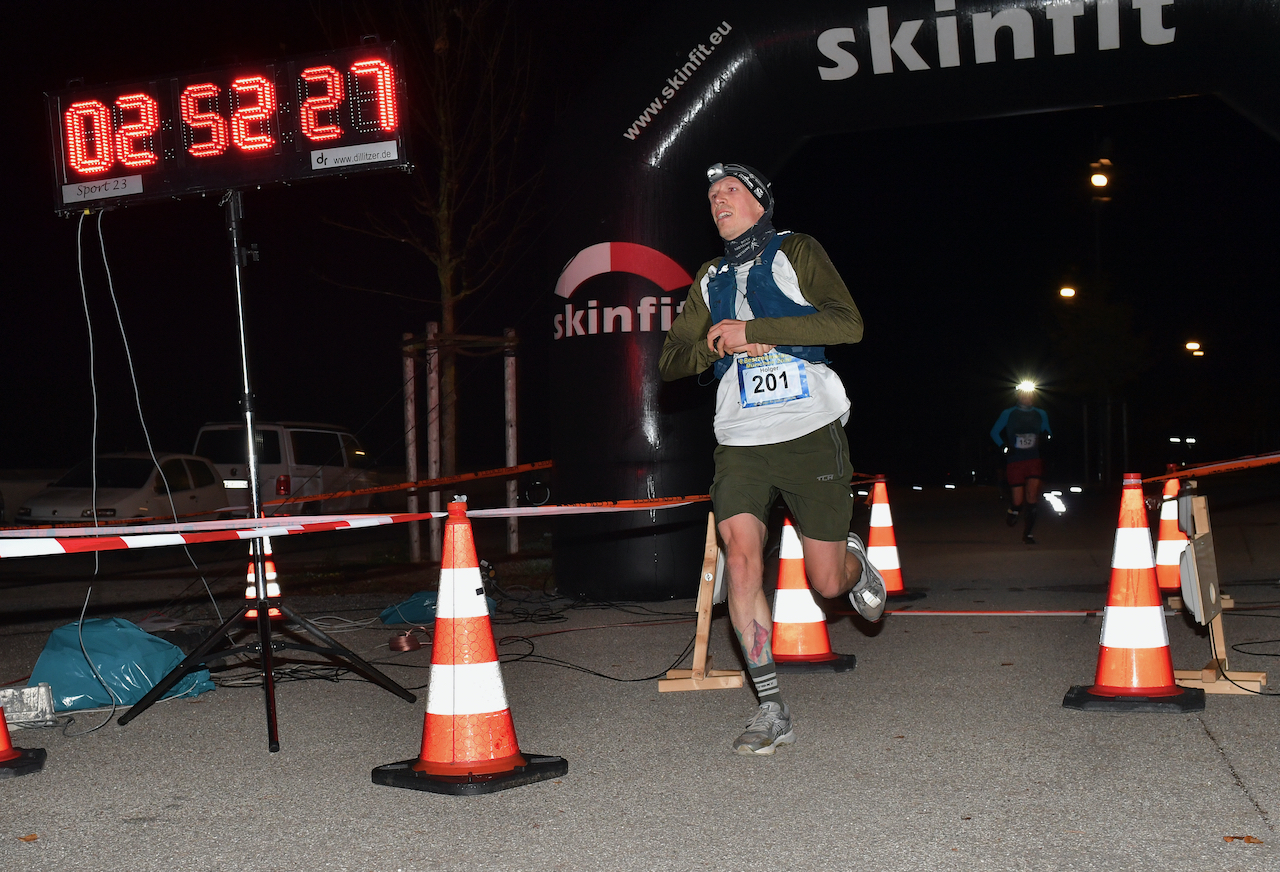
column 130, row 660
column 420, row 609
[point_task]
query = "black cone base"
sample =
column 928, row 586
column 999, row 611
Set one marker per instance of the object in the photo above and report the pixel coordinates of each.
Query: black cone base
column 1190, row 700
column 29, row 760
column 839, row 663
column 402, row 774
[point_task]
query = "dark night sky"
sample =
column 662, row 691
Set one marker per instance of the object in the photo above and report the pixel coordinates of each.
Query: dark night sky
column 953, row 239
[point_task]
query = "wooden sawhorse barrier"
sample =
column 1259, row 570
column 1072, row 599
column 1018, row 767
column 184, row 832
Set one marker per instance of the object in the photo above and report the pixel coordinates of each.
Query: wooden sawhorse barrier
column 701, row 676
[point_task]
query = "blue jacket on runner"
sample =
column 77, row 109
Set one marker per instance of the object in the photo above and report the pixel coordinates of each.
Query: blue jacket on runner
column 1024, row 425
column 764, row 297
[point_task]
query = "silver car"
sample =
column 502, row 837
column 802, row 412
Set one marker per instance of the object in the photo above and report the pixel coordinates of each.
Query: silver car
column 130, row 487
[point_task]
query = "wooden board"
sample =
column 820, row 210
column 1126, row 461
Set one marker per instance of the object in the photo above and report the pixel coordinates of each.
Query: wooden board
column 701, row 676
column 1210, row 678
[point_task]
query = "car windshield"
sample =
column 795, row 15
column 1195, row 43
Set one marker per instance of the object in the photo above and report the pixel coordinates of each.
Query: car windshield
column 228, row 446
column 130, row 472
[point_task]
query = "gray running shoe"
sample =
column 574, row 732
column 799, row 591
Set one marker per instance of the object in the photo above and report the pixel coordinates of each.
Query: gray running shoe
column 868, row 595
column 767, row 729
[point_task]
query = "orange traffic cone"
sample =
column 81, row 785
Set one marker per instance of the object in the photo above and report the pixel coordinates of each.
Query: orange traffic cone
column 251, row 581
column 1172, row 541
column 882, row 547
column 17, row 761
column 800, row 640
column 1135, row 672
column 468, row 741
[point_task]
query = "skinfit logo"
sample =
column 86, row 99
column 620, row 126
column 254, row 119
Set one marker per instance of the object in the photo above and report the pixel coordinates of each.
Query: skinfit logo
column 1064, row 22
column 627, row 257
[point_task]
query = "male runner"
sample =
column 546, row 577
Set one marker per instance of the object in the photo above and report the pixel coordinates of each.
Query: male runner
column 1023, row 425
column 760, row 316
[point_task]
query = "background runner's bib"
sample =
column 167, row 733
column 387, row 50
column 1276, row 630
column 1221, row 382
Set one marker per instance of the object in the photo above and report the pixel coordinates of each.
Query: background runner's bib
column 771, row 378
column 1024, row 440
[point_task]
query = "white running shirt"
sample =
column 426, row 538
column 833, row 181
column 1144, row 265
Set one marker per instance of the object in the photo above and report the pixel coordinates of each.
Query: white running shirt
column 779, row 422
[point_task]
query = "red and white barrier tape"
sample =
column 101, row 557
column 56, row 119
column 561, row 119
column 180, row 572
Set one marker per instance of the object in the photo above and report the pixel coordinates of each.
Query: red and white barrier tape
column 76, row 540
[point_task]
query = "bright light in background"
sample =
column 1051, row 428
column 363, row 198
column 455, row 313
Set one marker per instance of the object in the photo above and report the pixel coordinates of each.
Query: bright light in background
column 1058, row 505
column 1098, row 180
column 1077, row 490
column 1193, row 346
column 862, row 493
column 1056, row 493
column 1026, row 386
column 1191, row 440
column 1067, row 292
column 949, row 486
column 1197, row 354
column 1174, row 439
column 916, row 487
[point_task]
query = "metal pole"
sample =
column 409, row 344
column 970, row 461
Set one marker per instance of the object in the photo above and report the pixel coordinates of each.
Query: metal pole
column 1107, row 447
column 235, row 214
column 433, row 436
column 411, row 446
column 1085, row 409
column 509, row 401
column 1124, row 430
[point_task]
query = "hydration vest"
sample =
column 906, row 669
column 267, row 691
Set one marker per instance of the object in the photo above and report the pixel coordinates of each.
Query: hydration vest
column 765, row 298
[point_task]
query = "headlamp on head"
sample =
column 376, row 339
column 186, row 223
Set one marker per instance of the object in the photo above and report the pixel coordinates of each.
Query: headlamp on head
column 757, row 184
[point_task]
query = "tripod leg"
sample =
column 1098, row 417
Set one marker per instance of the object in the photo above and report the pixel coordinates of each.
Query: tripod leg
column 194, row 661
column 350, row 656
column 268, row 675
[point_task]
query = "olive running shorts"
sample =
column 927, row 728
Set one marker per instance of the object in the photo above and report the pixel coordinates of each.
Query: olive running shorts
column 811, row 473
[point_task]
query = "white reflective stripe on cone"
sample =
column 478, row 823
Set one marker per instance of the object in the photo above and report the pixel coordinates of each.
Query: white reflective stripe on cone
column 791, row 549
column 1169, row 551
column 883, row 557
column 467, row 603
column 881, row 516
column 791, row 606
column 466, row 689
column 1133, row 549
column 1169, row 511
column 1134, row 627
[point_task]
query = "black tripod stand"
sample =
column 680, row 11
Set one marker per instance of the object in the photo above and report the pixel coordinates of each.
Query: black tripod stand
column 263, row 645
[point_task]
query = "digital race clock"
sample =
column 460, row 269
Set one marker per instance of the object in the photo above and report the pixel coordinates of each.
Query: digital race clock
column 326, row 114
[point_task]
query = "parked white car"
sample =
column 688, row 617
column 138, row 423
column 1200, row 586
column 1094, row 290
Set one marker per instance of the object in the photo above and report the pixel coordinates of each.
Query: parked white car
column 130, row 487
column 295, row 461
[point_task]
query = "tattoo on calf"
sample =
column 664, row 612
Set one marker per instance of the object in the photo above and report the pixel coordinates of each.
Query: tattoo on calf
column 755, row 644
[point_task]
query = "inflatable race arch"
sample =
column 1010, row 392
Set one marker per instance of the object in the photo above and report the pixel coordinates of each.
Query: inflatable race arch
column 749, row 82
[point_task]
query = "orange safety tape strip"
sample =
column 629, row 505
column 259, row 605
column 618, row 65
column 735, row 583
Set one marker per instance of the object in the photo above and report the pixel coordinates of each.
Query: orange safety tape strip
column 18, row 543
column 1247, row 462
column 430, row 483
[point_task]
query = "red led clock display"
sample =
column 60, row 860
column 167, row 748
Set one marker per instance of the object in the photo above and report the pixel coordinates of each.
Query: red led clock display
column 318, row 115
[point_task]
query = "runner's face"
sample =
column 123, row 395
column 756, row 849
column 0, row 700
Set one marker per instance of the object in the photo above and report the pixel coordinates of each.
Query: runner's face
column 733, row 208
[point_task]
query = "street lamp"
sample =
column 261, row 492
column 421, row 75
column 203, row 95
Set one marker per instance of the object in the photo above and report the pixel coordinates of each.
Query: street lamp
column 1067, row 292
column 1195, row 349
column 1100, row 172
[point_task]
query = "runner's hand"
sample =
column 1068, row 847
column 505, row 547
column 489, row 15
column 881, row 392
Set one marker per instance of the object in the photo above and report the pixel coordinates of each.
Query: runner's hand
column 730, row 337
